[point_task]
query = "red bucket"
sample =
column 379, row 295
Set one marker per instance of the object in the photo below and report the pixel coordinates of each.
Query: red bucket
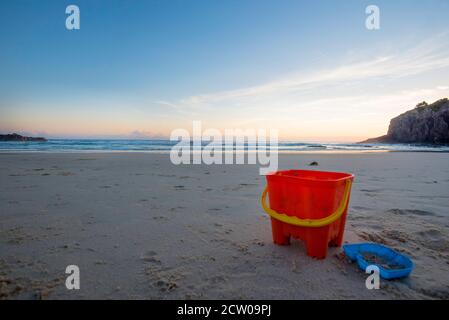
column 308, row 205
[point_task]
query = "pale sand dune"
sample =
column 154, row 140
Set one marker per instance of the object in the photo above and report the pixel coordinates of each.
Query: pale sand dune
column 141, row 228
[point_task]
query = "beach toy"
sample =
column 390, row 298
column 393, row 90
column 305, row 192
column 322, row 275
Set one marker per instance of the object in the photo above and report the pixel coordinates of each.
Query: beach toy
column 391, row 264
column 308, row 205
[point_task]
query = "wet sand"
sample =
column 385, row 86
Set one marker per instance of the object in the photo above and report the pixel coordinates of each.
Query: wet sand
column 139, row 227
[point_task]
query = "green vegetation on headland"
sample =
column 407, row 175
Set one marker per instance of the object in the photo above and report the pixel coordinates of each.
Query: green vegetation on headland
column 436, row 106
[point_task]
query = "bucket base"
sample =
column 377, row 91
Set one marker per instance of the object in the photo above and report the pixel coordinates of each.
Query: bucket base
column 316, row 240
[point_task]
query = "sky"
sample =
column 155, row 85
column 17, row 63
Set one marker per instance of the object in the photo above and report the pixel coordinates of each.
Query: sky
column 140, row 69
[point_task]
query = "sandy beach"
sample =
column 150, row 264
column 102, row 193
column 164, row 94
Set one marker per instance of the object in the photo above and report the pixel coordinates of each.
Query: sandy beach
column 139, row 227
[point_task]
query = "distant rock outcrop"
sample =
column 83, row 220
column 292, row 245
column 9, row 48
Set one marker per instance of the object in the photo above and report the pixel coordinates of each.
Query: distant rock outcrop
column 426, row 123
column 18, row 137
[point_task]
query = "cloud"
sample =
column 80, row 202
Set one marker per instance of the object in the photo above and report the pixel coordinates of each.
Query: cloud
column 138, row 134
column 288, row 91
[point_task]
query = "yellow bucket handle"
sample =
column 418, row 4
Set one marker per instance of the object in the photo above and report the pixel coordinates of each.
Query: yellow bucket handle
column 313, row 223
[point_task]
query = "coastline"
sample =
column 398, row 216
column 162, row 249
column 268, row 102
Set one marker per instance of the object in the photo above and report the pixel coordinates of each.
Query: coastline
column 163, row 146
column 167, row 152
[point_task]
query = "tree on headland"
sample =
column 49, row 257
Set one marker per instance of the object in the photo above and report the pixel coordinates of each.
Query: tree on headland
column 422, row 104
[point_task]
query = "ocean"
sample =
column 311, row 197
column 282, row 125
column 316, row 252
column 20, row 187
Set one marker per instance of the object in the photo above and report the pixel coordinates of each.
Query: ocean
column 91, row 145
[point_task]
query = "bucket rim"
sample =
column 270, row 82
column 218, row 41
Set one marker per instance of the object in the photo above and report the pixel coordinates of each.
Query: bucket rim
column 345, row 175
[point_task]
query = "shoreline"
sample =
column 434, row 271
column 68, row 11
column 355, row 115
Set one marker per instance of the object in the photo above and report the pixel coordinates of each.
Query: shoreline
column 283, row 152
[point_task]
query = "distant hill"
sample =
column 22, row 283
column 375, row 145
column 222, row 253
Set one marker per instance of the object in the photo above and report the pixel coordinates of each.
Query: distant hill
column 426, row 123
column 19, row 138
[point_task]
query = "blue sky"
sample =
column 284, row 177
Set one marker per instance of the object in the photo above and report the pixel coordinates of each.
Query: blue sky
column 142, row 68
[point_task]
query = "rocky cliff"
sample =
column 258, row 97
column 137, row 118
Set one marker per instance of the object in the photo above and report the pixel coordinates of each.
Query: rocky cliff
column 18, row 137
column 426, row 123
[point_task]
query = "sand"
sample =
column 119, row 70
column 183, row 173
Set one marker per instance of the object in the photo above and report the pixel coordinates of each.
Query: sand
column 139, row 227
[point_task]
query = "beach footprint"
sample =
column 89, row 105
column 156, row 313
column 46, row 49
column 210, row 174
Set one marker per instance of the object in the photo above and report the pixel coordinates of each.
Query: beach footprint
column 151, row 257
